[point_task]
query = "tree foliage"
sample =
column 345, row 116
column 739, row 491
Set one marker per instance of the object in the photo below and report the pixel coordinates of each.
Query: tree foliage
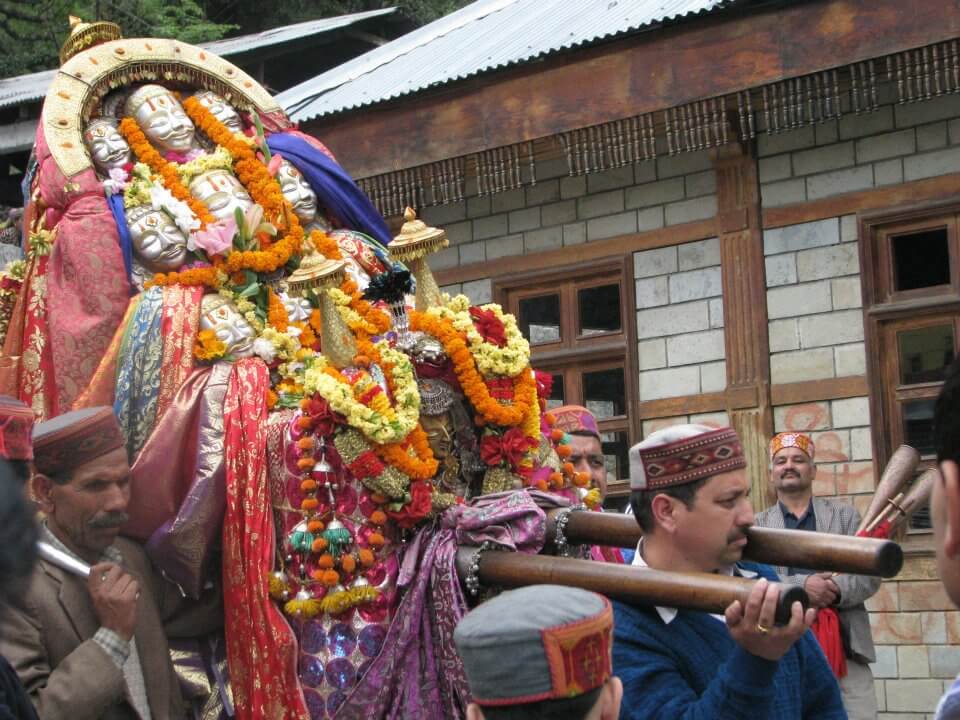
column 32, row 32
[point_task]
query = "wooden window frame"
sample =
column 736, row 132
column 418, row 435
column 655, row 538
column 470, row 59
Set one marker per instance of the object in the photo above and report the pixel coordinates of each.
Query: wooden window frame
column 601, row 351
column 888, row 311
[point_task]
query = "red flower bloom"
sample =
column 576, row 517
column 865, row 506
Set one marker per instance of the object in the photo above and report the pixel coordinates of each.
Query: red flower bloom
column 366, row 465
column 489, row 326
column 421, row 502
column 507, row 448
column 325, row 420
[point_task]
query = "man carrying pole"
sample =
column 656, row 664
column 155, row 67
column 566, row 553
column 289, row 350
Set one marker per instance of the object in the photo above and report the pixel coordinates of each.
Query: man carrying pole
column 689, row 494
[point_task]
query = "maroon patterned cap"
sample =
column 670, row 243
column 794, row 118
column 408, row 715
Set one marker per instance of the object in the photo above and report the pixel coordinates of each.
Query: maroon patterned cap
column 71, row 440
column 684, row 453
column 16, row 426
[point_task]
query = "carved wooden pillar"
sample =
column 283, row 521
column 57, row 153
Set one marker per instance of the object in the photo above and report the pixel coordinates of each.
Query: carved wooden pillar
column 745, row 308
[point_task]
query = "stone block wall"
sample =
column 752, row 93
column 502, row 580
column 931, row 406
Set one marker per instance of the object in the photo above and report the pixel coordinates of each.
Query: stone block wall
column 560, row 210
column 680, row 345
column 893, row 144
column 813, row 301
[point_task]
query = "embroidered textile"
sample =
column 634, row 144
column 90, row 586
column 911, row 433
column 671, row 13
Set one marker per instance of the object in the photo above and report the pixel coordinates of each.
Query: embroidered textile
column 691, row 459
column 179, row 325
column 261, row 649
column 792, row 439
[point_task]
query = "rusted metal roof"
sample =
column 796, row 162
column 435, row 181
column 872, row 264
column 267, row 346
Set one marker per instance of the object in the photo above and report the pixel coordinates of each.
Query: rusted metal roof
column 483, row 36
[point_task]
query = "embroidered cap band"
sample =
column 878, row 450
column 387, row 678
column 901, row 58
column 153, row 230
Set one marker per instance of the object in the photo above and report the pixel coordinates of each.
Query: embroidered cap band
column 68, row 441
column 682, row 454
column 542, row 642
column 575, row 418
column 792, row 439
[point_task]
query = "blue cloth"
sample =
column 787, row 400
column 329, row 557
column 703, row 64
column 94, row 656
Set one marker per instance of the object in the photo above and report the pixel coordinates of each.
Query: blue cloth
column 335, row 189
column 126, row 245
column 692, row 669
column 138, row 371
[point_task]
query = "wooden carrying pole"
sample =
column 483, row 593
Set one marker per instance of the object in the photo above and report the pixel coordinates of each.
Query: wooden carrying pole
column 639, row 586
column 790, row 548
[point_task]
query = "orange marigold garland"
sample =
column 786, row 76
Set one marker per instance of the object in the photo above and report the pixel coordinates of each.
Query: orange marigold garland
column 276, row 312
column 474, row 387
column 147, row 154
column 421, row 466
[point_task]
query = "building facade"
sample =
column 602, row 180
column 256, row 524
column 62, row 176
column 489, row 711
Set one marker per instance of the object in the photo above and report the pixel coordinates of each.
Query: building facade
column 782, row 255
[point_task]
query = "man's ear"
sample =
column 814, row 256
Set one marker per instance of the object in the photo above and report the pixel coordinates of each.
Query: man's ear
column 951, row 503
column 41, row 487
column 663, row 508
column 611, row 698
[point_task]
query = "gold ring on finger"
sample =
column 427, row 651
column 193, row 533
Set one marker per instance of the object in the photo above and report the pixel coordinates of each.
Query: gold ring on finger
column 762, row 629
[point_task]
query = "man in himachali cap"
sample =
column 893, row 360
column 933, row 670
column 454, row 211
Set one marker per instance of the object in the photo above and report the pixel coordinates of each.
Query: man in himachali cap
column 89, row 645
column 839, row 599
column 586, row 451
column 690, row 496
column 541, row 652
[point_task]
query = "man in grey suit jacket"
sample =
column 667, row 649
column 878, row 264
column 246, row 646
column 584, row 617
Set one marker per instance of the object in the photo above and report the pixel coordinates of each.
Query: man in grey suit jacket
column 792, row 472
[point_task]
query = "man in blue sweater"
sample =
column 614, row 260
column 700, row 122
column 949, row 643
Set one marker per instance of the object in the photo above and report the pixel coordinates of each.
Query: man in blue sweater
column 690, row 495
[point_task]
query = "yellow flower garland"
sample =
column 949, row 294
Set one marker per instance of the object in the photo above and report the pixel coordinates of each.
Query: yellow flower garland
column 492, row 361
column 382, row 423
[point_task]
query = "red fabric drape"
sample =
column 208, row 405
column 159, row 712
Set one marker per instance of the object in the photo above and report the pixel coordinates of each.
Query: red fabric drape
column 261, row 648
column 827, row 629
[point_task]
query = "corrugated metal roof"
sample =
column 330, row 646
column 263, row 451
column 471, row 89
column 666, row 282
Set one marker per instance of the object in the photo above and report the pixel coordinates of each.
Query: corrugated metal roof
column 27, row 88
column 246, row 43
column 483, row 36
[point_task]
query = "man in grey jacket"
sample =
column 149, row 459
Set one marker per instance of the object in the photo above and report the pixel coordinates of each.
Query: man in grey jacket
column 792, row 472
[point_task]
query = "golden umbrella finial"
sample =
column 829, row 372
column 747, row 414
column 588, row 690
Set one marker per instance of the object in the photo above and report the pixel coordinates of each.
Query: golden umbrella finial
column 411, row 247
column 316, row 275
column 85, row 35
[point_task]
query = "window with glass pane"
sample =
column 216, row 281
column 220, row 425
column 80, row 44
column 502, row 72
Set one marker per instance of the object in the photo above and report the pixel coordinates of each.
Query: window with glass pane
column 925, row 353
column 598, row 310
column 539, row 319
column 918, row 425
column 604, row 393
column 921, row 259
column 615, row 446
column 557, row 394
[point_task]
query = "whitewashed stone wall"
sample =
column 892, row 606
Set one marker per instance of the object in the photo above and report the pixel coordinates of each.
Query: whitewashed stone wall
column 814, row 301
column 680, row 320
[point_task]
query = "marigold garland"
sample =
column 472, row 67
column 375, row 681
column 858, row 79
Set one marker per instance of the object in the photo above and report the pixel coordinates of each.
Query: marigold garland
column 147, row 154
column 471, row 381
column 276, row 312
column 366, row 410
column 211, row 277
column 422, row 466
column 207, row 347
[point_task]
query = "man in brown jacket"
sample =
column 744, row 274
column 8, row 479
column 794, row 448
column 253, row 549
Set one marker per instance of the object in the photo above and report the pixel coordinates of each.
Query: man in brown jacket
column 90, row 648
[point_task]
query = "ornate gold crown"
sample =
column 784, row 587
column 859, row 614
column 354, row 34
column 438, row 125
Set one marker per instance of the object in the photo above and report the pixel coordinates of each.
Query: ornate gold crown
column 85, row 35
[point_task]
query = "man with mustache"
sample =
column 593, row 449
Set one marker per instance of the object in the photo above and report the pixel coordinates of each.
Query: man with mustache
column 843, row 626
column 92, row 647
column 690, row 496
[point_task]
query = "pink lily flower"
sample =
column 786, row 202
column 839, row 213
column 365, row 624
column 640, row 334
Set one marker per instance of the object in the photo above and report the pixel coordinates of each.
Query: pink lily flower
column 217, row 239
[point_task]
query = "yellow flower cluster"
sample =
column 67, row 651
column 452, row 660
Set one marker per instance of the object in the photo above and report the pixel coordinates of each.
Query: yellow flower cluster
column 492, row 361
column 382, row 424
column 286, row 346
column 219, row 159
column 354, row 320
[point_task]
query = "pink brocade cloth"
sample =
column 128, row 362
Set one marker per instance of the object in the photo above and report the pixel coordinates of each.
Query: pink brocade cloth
column 418, row 674
column 87, row 287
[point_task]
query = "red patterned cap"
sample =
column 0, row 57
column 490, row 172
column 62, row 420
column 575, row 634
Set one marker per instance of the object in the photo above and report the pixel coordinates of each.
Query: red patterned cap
column 68, row 441
column 684, row 453
column 16, row 427
column 541, row 642
column 792, row 439
column 575, row 418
